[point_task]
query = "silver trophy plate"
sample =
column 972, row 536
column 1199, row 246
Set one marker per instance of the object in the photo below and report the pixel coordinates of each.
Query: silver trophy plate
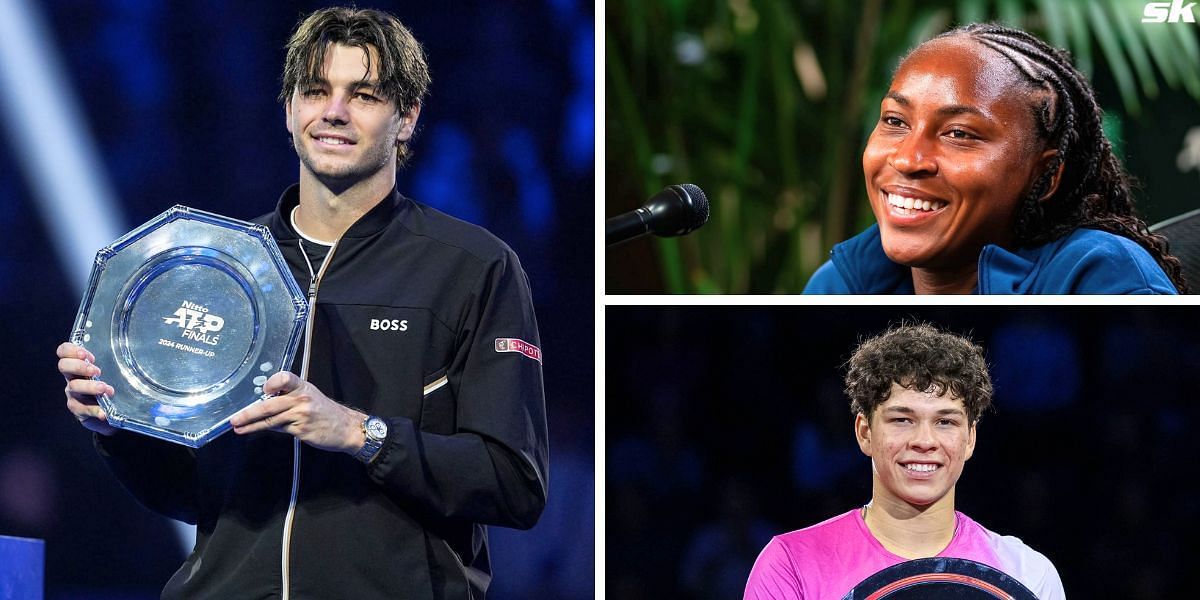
column 188, row 315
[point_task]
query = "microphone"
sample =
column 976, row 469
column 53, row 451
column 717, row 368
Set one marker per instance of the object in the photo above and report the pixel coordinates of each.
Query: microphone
column 677, row 210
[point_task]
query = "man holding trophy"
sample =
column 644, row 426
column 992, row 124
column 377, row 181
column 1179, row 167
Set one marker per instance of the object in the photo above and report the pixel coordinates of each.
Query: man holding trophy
column 413, row 414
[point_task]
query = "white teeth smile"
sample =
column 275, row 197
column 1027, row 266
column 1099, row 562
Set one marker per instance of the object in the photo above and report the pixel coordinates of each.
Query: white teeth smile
column 921, row 467
column 329, row 140
column 913, row 204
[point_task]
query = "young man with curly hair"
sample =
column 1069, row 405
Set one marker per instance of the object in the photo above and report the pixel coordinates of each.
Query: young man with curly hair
column 917, row 394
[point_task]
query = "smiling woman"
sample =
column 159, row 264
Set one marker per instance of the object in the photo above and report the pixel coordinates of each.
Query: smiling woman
column 988, row 172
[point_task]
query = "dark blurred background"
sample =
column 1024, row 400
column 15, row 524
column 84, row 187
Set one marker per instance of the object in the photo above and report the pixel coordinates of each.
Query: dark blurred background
column 115, row 110
column 726, row 426
column 767, row 107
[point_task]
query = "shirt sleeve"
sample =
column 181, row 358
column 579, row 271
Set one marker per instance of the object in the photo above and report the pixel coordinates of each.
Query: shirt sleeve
column 1051, row 586
column 1118, row 268
column 160, row 475
column 493, row 469
column 774, row 576
column 1094, row 262
column 1028, row 566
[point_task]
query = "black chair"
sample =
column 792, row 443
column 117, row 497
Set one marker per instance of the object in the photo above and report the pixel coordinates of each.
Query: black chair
column 1183, row 234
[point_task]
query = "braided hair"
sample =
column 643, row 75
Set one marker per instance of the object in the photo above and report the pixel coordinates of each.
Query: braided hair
column 1094, row 190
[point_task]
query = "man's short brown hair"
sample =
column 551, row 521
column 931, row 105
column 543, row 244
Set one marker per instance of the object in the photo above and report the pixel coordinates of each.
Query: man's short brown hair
column 918, row 357
column 402, row 70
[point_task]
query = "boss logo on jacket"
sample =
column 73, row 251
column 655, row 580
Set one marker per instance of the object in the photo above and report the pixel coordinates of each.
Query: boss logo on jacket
column 389, row 324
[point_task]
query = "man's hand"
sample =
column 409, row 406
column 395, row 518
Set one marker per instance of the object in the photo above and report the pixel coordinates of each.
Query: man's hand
column 301, row 410
column 76, row 366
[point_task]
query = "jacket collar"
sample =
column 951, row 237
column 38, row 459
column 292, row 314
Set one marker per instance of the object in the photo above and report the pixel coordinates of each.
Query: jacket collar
column 1019, row 271
column 391, row 207
column 867, row 270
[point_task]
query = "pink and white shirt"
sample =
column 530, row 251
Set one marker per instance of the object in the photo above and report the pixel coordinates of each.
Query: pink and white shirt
column 825, row 561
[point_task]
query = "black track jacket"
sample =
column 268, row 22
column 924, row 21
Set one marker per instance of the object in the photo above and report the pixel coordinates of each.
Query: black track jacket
column 456, row 372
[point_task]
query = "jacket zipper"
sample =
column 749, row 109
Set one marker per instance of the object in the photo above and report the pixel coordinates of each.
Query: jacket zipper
column 314, row 282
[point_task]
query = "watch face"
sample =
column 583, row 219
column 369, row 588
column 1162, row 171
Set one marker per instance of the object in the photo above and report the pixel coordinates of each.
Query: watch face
column 188, row 315
column 377, row 428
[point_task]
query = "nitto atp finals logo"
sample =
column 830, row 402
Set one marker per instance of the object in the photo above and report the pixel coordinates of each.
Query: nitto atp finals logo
column 1168, row 12
column 197, row 324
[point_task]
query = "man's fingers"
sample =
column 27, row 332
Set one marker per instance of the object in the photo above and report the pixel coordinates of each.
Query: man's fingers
column 88, row 387
column 271, row 422
column 74, row 361
column 74, row 367
column 268, row 414
column 69, row 350
column 75, row 364
column 260, row 411
column 281, row 383
column 84, row 411
column 91, row 417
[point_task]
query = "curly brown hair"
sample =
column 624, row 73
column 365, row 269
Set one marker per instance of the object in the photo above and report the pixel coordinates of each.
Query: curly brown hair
column 919, row 357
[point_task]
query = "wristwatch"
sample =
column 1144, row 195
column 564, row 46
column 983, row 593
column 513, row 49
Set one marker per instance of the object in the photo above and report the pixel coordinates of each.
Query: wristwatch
column 376, row 430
